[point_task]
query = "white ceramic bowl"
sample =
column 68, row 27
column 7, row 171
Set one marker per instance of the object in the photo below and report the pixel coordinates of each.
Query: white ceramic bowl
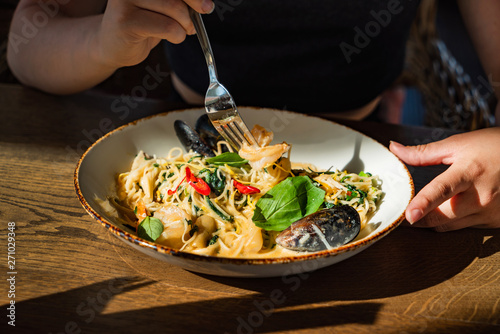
column 323, row 143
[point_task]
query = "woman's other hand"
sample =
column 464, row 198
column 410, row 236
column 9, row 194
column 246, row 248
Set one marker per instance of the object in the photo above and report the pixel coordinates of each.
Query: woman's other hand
column 467, row 194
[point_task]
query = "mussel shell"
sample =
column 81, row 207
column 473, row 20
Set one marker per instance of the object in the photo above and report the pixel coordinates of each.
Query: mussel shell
column 207, row 131
column 325, row 229
column 191, row 140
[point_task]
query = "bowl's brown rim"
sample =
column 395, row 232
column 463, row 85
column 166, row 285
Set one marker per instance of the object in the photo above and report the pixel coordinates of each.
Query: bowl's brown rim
column 238, row 261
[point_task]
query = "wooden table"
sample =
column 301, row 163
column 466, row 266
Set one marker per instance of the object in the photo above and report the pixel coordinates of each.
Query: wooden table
column 73, row 276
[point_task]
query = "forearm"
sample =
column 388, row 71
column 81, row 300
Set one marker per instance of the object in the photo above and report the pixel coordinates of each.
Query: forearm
column 60, row 56
column 483, row 25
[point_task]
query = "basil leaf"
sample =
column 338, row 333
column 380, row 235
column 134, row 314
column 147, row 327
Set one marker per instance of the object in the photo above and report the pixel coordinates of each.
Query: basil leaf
column 228, row 158
column 287, row 202
column 150, row 229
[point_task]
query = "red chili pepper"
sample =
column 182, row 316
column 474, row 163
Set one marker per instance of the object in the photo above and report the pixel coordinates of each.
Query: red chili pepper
column 170, row 192
column 246, row 190
column 189, row 175
column 198, row 184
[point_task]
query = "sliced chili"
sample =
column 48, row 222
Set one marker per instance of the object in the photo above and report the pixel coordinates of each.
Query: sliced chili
column 246, row 190
column 170, row 192
column 198, row 184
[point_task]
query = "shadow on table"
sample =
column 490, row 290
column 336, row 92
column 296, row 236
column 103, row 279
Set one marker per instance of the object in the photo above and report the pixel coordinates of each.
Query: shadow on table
column 84, row 310
column 408, row 260
column 389, row 268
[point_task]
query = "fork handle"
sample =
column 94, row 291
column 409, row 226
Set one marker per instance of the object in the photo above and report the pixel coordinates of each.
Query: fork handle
column 205, row 43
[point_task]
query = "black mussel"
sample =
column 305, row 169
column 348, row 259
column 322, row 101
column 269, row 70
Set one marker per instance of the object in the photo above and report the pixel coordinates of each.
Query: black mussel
column 325, row 229
column 191, row 140
column 207, row 131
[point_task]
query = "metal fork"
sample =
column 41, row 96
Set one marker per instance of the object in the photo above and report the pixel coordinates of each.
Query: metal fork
column 219, row 104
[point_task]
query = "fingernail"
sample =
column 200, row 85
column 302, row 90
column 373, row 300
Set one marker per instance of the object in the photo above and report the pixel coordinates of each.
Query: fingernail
column 395, row 143
column 415, row 215
column 207, row 6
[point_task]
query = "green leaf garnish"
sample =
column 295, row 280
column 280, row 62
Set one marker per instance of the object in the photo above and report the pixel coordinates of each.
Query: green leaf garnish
column 287, row 202
column 150, row 229
column 213, row 240
column 219, row 213
column 344, row 178
column 329, row 205
column 194, row 157
column 216, row 181
column 193, row 230
column 227, row 158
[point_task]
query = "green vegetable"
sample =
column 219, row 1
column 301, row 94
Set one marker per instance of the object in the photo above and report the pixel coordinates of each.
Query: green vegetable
column 193, row 230
column 216, row 182
column 156, row 165
column 351, row 196
column 219, row 213
column 363, row 174
column 329, row 205
column 194, row 157
column 355, row 192
column 287, row 202
column 213, row 240
column 228, row 158
column 150, row 229
column 362, row 195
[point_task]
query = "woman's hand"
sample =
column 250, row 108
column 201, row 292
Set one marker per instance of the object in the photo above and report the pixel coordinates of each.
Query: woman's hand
column 467, row 194
column 78, row 46
column 131, row 28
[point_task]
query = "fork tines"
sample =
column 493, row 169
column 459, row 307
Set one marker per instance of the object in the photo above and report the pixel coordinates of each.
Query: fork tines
column 235, row 132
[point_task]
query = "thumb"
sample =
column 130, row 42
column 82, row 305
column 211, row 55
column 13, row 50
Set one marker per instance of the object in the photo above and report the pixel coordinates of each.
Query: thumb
column 436, row 153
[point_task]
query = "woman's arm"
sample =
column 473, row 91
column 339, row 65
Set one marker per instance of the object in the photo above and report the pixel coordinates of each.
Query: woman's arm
column 482, row 19
column 467, row 194
column 63, row 49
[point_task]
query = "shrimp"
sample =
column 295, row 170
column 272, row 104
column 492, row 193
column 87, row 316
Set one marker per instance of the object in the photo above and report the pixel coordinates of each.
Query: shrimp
column 263, row 156
column 262, row 136
column 260, row 157
column 175, row 221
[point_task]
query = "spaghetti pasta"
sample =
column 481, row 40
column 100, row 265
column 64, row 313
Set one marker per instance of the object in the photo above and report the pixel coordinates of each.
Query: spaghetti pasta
column 220, row 223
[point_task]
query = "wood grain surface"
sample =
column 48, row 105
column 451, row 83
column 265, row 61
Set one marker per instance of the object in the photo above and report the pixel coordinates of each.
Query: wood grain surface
column 73, row 276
